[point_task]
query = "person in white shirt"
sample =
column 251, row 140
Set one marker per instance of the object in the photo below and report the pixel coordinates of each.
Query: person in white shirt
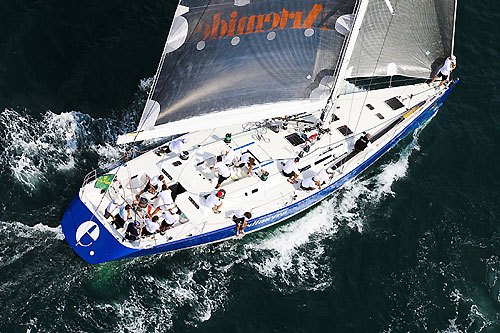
column 248, row 160
column 309, row 184
column 151, row 226
column 175, row 146
column 110, row 210
column 240, row 217
column 169, row 219
column 152, row 185
column 214, row 200
column 444, row 72
column 228, row 156
column 324, row 176
column 222, row 169
column 166, row 198
column 291, row 170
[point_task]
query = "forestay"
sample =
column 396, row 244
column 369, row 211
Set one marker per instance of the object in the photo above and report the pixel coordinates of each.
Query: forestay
column 403, row 37
column 227, row 62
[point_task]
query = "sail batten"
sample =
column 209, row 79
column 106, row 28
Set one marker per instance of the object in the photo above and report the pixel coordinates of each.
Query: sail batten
column 411, row 40
column 231, row 54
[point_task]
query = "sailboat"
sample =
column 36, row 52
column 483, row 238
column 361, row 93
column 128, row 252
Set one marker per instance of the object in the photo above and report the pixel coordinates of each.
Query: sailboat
column 323, row 87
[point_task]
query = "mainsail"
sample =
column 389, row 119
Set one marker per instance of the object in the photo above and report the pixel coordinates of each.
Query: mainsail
column 229, row 61
column 403, row 37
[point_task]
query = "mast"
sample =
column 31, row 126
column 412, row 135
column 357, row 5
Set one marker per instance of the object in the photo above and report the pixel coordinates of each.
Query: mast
column 454, row 26
column 353, row 35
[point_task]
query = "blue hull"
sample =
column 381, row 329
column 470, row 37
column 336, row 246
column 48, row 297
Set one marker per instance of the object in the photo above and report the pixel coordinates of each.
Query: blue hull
column 91, row 240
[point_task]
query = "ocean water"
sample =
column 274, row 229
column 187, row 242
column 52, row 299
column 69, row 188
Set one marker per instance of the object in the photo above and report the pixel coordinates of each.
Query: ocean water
column 410, row 246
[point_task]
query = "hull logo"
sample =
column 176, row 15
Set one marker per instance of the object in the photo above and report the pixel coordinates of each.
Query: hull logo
column 89, row 228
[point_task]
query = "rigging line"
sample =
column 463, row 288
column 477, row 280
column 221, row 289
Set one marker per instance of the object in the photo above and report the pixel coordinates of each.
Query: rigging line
column 152, row 91
column 454, row 27
column 352, row 95
column 376, row 64
column 174, row 65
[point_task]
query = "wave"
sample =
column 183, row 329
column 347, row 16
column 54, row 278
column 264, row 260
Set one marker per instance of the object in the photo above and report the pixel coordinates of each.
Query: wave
column 37, row 150
column 293, row 254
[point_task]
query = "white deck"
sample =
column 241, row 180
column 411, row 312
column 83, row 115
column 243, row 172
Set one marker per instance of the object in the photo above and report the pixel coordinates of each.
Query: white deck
column 250, row 192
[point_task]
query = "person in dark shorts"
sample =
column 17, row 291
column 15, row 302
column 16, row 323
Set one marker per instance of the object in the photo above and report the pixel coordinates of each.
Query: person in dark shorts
column 152, row 185
column 291, row 170
column 362, row 142
column 151, row 227
column 222, row 169
column 122, row 216
column 240, row 217
column 133, row 231
column 444, row 72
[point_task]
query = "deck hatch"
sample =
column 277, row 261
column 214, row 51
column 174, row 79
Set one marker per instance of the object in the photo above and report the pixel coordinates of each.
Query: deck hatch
column 176, row 189
column 344, row 130
column 294, row 139
column 394, row 103
column 379, row 115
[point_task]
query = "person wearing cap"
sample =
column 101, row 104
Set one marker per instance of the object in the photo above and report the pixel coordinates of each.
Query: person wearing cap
column 214, row 200
column 222, row 169
column 444, row 72
column 122, row 216
column 248, row 160
column 309, row 184
column 143, row 207
column 169, row 219
column 324, row 176
column 134, row 231
column 240, row 218
column 291, row 170
column 151, row 226
column 152, row 185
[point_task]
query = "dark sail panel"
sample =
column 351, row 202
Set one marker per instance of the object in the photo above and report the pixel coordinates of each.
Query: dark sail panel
column 241, row 53
column 413, row 42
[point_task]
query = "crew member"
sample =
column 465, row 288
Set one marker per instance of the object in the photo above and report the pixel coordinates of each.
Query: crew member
column 362, row 142
column 122, row 216
column 169, row 219
column 228, row 157
column 291, row 170
column 222, row 169
column 152, row 185
column 151, row 226
column 175, row 146
column 134, row 231
column 248, row 160
column 444, row 72
column 310, row 183
column 214, row 200
column 324, row 176
column 166, row 197
column 240, row 217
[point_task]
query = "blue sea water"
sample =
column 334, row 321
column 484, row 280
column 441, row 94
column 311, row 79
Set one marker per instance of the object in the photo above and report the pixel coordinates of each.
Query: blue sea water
column 411, row 246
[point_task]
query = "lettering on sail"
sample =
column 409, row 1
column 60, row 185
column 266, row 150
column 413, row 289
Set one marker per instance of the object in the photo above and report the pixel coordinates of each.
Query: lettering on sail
column 234, row 25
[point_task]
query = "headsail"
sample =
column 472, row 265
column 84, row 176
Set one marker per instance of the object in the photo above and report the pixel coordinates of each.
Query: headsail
column 401, row 37
column 228, row 61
